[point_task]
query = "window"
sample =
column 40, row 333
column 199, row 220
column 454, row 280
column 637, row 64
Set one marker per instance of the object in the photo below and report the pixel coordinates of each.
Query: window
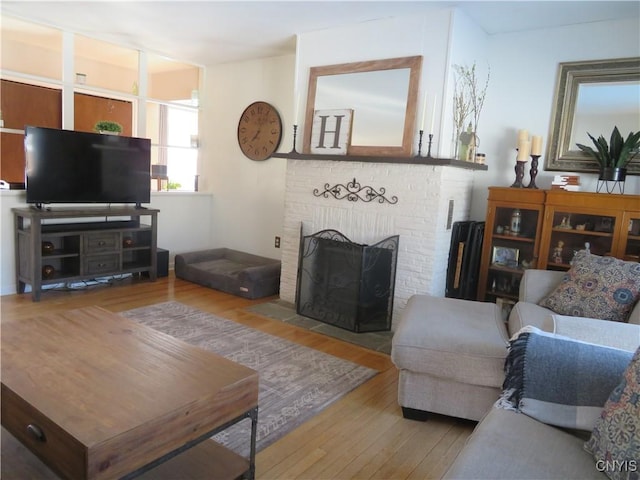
column 161, row 99
column 174, row 134
column 31, row 49
column 103, row 65
column 172, row 121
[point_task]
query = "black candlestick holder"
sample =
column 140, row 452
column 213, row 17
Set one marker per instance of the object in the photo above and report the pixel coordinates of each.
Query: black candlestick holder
column 295, row 134
column 519, row 175
column 420, row 143
column 533, row 172
column 430, row 141
column 421, row 133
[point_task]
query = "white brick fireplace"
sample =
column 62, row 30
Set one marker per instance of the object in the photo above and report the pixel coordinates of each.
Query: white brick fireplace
column 420, row 216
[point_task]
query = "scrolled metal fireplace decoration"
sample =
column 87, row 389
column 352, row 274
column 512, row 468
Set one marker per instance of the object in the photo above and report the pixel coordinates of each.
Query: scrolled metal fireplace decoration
column 353, row 192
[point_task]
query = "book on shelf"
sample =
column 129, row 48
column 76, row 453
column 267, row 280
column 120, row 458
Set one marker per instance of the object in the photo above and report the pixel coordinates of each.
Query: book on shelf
column 566, row 182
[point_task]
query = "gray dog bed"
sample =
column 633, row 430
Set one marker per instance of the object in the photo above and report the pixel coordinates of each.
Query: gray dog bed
column 231, row 271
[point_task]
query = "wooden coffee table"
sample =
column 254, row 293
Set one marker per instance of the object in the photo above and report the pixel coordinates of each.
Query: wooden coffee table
column 94, row 395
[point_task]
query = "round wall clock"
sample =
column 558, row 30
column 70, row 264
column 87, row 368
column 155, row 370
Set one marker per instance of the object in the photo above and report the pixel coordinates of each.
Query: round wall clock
column 259, row 131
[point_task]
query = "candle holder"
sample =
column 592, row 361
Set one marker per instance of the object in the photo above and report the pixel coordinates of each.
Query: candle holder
column 295, row 133
column 519, row 175
column 420, row 143
column 430, row 141
column 533, row 172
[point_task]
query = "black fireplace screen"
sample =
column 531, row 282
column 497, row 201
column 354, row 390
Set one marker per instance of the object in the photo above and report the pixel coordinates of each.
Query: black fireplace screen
column 346, row 284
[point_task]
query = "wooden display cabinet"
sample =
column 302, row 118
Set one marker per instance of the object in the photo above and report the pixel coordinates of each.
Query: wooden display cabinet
column 554, row 225
column 511, row 241
column 606, row 224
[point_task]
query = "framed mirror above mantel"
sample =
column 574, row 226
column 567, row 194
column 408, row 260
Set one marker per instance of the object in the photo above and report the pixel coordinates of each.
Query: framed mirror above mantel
column 383, row 95
column 592, row 96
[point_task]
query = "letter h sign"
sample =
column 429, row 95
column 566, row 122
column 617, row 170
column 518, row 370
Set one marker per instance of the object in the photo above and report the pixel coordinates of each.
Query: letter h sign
column 331, row 131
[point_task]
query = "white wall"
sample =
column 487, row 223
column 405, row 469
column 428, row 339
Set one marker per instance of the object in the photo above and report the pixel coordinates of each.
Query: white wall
column 248, row 209
column 427, row 35
column 523, row 78
column 468, row 47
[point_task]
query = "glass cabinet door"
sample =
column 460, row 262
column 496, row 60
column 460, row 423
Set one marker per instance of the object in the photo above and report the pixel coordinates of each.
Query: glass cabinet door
column 574, row 231
column 513, row 249
column 630, row 239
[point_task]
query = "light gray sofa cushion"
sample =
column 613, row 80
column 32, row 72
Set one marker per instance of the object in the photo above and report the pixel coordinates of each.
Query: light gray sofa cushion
column 536, row 285
column 509, row 445
column 620, row 335
column 455, row 339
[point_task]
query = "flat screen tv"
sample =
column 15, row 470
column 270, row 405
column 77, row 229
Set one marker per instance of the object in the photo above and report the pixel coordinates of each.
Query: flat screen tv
column 65, row 166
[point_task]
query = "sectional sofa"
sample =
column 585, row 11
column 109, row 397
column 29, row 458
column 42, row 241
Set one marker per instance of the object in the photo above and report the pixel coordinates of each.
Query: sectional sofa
column 451, row 356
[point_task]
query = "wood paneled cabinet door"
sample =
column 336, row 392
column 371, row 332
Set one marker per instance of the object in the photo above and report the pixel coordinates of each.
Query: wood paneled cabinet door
column 24, row 105
column 605, row 224
column 21, row 105
column 511, row 241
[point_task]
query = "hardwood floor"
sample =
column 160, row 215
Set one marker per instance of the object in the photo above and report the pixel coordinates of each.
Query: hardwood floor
column 362, row 436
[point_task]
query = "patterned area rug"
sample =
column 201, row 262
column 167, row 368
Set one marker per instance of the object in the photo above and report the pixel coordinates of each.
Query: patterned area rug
column 296, row 382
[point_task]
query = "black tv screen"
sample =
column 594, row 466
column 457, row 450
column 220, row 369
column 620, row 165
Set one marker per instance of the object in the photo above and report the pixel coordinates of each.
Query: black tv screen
column 65, row 166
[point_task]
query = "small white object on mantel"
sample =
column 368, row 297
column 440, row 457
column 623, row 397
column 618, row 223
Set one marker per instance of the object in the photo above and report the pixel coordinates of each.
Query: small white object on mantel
column 331, row 131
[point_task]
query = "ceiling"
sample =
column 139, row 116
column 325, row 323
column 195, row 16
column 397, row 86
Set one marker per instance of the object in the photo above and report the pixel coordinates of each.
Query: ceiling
column 212, row 32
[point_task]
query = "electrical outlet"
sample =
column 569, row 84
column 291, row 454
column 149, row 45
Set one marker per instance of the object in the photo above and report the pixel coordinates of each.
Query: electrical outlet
column 277, row 242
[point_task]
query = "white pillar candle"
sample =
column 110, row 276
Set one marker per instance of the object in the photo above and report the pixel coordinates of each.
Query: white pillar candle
column 536, row 145
column 522, row 135
column 296, row 93
column 296, row 108
column 523, row 151
column 433, row 114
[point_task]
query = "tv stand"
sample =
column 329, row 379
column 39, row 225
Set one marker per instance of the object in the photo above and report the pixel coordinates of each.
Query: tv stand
column 108, row 241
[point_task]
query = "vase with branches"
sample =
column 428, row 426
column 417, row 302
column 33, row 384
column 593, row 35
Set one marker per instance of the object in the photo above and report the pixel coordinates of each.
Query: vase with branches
column 461, row 110
column 469, row 99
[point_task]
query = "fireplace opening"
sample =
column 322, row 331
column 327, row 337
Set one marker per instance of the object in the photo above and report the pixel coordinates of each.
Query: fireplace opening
column 346, row 284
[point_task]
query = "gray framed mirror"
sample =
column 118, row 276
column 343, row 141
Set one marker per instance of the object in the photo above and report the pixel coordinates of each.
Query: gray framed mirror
column 382, row 94
column 592, row 97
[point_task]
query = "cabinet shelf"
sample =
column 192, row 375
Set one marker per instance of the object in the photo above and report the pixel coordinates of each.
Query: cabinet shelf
column 508, row 296
column 575, row 231
column 514, row 238
column 499, row 268
column 59, row 254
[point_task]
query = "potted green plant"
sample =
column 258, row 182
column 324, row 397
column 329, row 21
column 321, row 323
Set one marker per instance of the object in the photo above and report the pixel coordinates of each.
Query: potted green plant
column 107, row 126
column 613, row 157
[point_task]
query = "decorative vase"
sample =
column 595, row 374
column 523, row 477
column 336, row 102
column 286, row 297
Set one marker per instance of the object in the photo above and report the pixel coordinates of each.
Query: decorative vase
column 47, row 248
column 48, row 271
column 467, row 143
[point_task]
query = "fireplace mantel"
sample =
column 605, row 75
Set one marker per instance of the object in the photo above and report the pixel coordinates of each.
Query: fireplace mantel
column 449, row 162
